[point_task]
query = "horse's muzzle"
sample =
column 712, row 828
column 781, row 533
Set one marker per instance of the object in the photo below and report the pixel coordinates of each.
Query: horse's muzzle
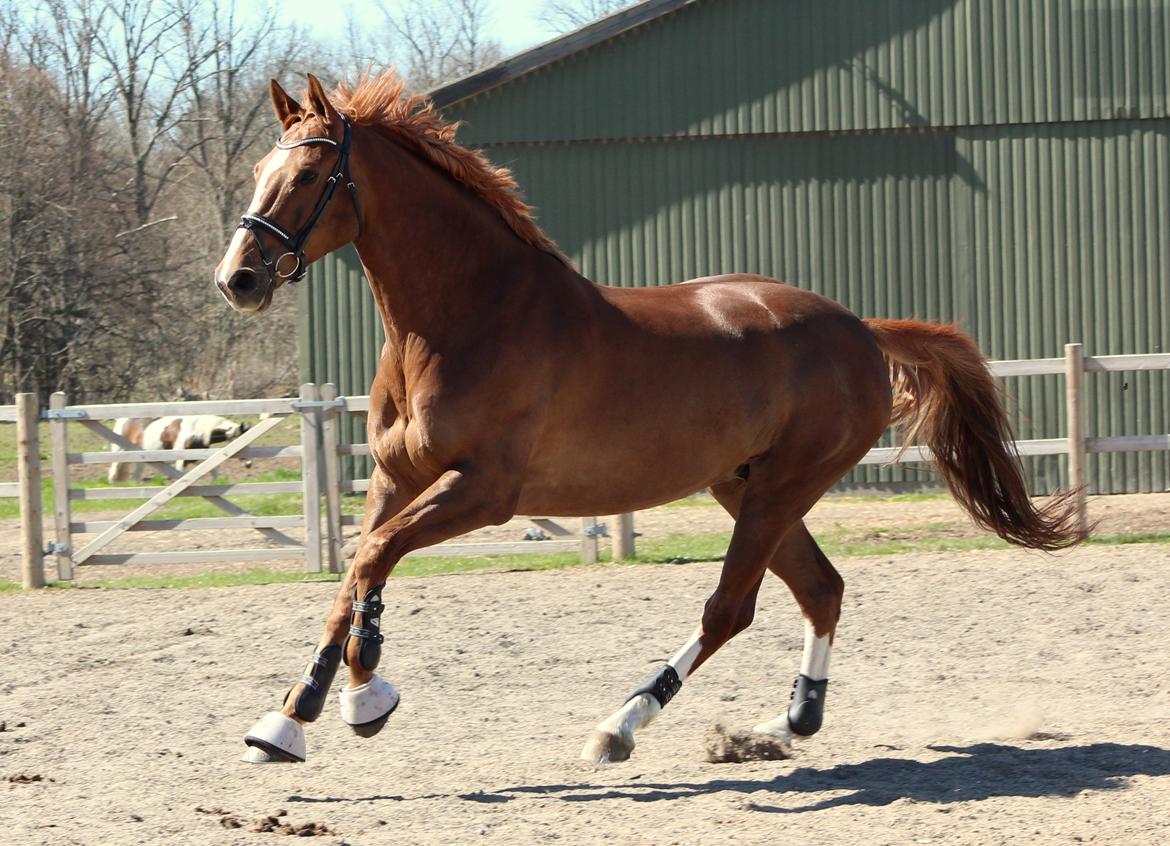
column 246, row 289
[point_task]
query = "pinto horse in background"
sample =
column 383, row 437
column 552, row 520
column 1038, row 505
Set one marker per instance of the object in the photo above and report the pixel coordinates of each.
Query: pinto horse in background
column 510, row 384
column 195, row 431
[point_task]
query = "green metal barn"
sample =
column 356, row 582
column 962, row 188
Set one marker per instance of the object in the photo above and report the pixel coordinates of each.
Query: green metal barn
column 1000, row 163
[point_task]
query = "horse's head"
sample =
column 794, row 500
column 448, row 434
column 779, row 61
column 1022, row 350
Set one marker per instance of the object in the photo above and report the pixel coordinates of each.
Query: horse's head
column 293, row 220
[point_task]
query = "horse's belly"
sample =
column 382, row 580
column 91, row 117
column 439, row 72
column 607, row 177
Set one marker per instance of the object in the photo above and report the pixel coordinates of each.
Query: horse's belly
column 583, row 474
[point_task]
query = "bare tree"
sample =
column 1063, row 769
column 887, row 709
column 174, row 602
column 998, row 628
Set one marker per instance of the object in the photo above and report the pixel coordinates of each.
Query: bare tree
column 74, row 307
column 567, row 15
column 442, row 39
column 227, row 127
column 141, row 44
column 229, row 114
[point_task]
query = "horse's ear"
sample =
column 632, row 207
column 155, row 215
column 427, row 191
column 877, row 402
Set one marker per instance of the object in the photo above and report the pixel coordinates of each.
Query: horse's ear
column 319, row 104
column 287, row 109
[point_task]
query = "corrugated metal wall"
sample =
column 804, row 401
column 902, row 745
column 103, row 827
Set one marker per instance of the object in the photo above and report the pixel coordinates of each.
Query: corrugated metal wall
column 1046, row 225
column 340, row 338
column 734, row 67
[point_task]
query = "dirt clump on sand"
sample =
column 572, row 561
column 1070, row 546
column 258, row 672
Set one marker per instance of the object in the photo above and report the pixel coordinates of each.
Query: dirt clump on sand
column 726, row 746
column 23, row 778
column 273, row 823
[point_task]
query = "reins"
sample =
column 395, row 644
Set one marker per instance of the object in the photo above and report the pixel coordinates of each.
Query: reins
column 294, row 245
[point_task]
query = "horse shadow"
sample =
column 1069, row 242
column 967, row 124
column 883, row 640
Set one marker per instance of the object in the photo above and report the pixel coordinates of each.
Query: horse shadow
column 970, row 774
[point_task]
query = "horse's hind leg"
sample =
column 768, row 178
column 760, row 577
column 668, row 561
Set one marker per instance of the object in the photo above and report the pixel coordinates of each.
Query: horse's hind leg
column 761, row 523
column 818, row 589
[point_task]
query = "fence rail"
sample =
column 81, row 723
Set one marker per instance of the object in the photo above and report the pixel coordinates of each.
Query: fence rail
column 319, row 453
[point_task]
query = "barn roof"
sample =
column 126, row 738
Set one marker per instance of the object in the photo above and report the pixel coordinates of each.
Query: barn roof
column 553, row 51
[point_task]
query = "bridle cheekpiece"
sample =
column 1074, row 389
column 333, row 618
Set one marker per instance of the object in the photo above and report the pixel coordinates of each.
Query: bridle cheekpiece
column 294, row 245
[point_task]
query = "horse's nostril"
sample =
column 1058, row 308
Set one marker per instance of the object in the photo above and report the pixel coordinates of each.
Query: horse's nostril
column 243, row 281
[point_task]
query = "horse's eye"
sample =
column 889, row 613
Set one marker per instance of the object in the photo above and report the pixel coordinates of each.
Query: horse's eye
column 307, row 177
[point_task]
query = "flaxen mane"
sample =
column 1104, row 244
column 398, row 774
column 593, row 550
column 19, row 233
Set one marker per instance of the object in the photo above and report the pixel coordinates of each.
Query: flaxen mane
column 379, row 101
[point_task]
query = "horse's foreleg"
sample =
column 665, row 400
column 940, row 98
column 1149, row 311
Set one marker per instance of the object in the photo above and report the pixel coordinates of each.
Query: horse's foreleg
column 458, row 502
column 818, row 589
column 278, row 736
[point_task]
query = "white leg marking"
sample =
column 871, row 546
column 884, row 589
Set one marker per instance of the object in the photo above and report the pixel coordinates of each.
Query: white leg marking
column 684, row 659
column 778, row 728
column 815, row 663
column 634, row 715
column 115, row 472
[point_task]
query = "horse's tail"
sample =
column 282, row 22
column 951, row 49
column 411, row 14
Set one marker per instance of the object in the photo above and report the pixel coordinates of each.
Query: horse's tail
column 946, row 398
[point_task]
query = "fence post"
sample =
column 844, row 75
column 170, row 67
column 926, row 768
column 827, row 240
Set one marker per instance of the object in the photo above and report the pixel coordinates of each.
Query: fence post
column 1074, row 372
column 28, row 467
column 311, row 479
column 332, row 480
column 588, row 540
column 62, row 515
column 623, row 541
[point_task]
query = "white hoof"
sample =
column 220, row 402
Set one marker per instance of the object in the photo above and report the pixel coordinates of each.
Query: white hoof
column 275, row 738
column 366, row 708
column 604, row 747
column 779, row 729
column 613, row 739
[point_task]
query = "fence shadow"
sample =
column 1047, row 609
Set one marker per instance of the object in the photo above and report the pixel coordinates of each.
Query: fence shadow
column 971, row 774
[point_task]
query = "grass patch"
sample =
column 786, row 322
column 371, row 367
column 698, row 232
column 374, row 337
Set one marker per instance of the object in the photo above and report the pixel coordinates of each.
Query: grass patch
column 701, row 500
column 203, row 580
column 881, row 498
column 670, row 549
column 185, row 507
column 529, row 561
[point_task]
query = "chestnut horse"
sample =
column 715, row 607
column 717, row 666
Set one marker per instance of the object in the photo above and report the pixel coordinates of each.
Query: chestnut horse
column 510, row 384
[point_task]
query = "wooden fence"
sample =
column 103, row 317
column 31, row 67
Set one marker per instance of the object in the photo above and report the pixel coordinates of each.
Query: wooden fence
column 320, row 452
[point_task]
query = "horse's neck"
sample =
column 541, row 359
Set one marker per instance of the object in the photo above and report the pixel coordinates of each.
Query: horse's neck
column 441, row 262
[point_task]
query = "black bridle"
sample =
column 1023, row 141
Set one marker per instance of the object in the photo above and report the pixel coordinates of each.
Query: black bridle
column 294, row 245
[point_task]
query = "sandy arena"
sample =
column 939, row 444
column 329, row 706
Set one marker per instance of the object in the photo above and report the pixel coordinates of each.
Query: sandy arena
column 977, row 698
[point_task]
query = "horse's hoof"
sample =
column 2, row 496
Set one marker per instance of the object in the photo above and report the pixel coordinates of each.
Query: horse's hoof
column 604, row 747
column 256, row 755
column 366, row 708
column 779, row 730
column 275, row 738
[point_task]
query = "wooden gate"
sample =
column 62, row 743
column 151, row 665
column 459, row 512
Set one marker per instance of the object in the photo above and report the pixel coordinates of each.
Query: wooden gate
column 69, row 554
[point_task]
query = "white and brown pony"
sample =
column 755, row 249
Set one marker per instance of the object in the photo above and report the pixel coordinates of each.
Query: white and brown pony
column 196, row 431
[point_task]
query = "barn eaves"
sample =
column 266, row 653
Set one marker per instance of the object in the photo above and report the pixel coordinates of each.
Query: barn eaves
column 553, row 51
